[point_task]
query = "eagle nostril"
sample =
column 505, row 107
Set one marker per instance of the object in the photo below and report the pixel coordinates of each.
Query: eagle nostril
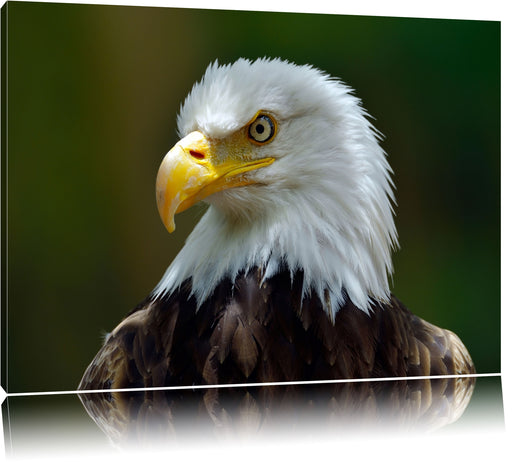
column 197, row 155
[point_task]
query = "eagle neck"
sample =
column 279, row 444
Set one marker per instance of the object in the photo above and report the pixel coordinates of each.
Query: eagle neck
column 296, row 242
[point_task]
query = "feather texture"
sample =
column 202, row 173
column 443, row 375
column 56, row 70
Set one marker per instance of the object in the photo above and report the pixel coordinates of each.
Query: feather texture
column 241, row 336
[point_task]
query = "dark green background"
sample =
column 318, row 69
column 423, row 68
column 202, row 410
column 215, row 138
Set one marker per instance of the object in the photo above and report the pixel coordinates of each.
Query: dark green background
column 92, row 96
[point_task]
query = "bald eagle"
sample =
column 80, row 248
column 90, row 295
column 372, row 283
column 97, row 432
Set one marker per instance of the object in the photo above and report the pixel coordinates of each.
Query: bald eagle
column 285, row 277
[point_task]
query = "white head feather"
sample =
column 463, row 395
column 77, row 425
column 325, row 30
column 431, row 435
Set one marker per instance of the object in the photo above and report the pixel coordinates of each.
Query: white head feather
column 323, row 207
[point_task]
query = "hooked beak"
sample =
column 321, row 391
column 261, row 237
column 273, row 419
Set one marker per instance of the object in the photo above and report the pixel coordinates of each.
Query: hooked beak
column 191, row 171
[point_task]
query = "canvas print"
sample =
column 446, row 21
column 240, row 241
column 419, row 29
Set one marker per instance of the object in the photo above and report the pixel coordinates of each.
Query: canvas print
column 206, row 198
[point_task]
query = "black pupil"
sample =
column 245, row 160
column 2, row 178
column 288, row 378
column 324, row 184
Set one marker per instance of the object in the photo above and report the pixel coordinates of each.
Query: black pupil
column 260, row 129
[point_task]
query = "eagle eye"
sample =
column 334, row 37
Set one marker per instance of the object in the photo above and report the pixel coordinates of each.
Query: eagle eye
column 262, row 129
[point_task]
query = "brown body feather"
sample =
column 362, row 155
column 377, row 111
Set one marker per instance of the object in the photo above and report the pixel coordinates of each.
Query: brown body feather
column 261, row 332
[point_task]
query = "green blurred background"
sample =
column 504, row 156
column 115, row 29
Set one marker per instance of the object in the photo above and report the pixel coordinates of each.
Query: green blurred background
column 93, row 93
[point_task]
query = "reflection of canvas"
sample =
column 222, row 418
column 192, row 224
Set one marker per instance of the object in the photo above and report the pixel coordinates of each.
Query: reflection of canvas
column 310, row 419
column 140, row 418
column 84, row 240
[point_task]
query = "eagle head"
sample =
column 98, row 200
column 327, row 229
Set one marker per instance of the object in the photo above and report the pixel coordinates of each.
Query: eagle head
column 294, row 177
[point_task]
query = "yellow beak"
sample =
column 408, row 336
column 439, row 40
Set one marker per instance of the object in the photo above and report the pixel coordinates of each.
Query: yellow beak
column 191, row 171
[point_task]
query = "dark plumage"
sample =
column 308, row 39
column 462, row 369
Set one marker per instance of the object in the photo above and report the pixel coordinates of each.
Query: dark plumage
column 244, row 333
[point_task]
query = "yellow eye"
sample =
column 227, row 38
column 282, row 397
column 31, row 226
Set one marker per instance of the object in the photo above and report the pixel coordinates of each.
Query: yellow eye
column 262, row 130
